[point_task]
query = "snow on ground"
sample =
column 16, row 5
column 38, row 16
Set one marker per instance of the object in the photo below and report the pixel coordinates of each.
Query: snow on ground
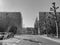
column 15, row 40
column 11, row 41
column 18, row 39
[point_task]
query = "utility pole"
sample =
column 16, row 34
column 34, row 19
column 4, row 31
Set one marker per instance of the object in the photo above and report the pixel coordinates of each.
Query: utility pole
column 54, row 8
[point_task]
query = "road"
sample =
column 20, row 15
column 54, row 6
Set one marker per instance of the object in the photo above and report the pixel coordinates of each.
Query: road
column 28, row 40
column 46, row 41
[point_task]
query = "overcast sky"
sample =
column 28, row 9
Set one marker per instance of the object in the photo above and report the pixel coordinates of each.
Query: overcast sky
column 29, row 8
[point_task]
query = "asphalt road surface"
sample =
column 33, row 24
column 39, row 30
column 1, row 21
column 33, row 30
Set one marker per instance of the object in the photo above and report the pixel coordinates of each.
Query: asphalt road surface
column 28, row 40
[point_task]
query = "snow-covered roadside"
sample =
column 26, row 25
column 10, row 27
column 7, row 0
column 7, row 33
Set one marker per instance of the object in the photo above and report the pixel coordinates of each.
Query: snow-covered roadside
column 52, row 39
column 16, row 40
column 11, row 41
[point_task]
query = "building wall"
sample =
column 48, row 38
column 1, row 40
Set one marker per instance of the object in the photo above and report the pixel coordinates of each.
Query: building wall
column 7, row 19
column 30, row 30
column 43, row 16
column 42, row 19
